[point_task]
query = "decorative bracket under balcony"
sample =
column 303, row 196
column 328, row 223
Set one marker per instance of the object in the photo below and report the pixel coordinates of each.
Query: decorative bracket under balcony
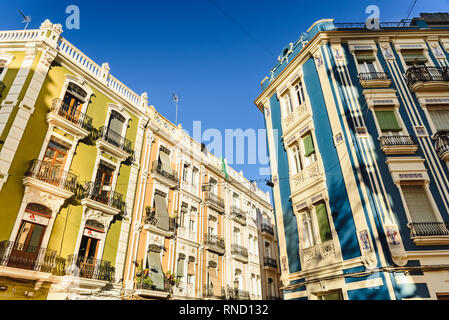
column 442, row 145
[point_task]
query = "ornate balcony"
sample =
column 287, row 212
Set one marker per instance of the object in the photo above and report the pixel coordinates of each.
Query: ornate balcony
column 295, row 118
column 88, row 268
column 214, row 201
column 69, row 119
column 239, row 253
column 45, row 177
column 21, row 256
column 238, row 215
column 398, row 144
column 168, row 178
column 105, row 199
column 429, row 233
column 113, row 143
column 150, row 222
column 270, row 262
column 214, row 243
column 319, row 255
column 423, row 78
column 310, row 175
column 236, row 294
column 374, row 80
column 208, row 292
column 266, row 228
column 442, row 145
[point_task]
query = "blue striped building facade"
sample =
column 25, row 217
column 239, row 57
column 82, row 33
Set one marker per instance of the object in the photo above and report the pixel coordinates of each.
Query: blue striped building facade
column 358, row 124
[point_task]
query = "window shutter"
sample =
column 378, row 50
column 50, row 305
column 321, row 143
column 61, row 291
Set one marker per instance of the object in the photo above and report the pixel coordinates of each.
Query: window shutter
column 365, row 56
column 387, row 121
column 323, row 223
column 161, row 213
column 440, row 118
column 155, row 267
column 308, row 146
column 414, row 56
column 180, row 267
column 418, row 203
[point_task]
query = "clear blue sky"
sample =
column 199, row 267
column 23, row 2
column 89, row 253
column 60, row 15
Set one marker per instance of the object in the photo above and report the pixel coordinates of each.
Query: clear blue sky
column 214, row 60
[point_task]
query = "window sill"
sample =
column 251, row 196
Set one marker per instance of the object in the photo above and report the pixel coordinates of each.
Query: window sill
column 431, row 240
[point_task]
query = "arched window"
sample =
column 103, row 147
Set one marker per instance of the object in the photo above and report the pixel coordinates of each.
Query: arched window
column 74, row 100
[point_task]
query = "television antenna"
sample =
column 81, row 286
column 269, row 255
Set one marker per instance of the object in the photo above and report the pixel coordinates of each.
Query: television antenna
column 26, row 19
column 175, row 99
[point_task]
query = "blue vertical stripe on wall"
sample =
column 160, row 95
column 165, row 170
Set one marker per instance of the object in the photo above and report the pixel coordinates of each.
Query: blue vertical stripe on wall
column 338, row 194
column 290, row 225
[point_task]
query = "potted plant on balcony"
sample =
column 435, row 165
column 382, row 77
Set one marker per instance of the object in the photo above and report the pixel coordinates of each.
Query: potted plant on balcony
column 143, row 278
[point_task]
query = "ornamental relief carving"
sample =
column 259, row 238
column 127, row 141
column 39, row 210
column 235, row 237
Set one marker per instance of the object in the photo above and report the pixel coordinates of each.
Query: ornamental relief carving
column 48, row 200
column 104, row 219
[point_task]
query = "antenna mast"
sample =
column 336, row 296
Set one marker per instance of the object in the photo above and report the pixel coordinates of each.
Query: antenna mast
column 26, row 19
column 175, row 99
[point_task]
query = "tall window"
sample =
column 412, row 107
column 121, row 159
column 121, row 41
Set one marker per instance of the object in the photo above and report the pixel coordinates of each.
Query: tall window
column 73, row 101
column 185, row 172
column 267, row 250
column 236, row 200
column 309, row 150
column 323, row 222
column 418, row 203
column 103, row 182
column 213, row 186
column 295, row 156
column 54, row 161
column 115, row 128
column 414, row 57
column 237, row 236
column 308, row 236
column 388, row 121
column 288, row 106
column 440, row 116
column 300, row 93
column 195, row 177
column 366, row 60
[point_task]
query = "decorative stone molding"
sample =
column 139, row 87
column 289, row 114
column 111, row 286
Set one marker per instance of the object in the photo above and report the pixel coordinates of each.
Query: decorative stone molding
column 33, row 195
column 99, row 216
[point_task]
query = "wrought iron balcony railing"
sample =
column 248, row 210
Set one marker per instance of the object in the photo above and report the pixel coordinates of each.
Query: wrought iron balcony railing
column 209, row 292
column 426, row 74
column 442, row 143
column 114, row 139
column 270, row 262
column 2, row 88
column 76, row 117
column 366, row 76
column 267, row 228
column 157, row 168
column 239, row 250
column 55, row 176
column 151, row 219
column 89, row 268
column 143, row 286
column 397, row 140
column 236, row 294
column 213, row 198
column 21, row 256
column 238, row 213
column 103, row 194
column 429, row 229
column 213, row 240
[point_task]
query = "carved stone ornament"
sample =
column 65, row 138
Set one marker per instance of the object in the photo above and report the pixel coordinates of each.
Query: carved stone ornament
column 50, row 201
column 104, row 219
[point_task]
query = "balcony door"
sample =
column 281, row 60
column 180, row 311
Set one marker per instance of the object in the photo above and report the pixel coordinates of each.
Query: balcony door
column 53, row 163
column 115, row 128
column 87, row 254
column 73, row 102
column 103, row 183
column 27, row 245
